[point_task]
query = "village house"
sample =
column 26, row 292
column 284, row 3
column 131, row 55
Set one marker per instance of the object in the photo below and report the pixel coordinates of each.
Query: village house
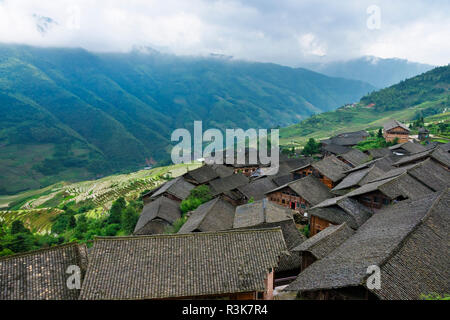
column 412, row 255
column 266, row 214
column 395, row 185
column 236, row 265
column 227, row 188
column 379, row 153
column 42, row 274
column 201, row 175
column 301, row 194
column 333, row 150
column 330, row 171
column 424, row 134
column 214, row 215
column 353, row 157
column 322, row 244
column 336, row 211
column 177, row 189
column 358, row 178
column 438, row 154
column 257, row 189
column 396, row 130
column 407, row 148
column 347, row 139
column 157, row 216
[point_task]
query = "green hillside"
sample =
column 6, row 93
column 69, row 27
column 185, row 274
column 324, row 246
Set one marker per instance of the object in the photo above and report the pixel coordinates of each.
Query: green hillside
column 422, row 96
column 68, row 114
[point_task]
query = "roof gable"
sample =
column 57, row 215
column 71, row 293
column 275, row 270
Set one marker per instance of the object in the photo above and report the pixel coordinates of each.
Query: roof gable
column 163, row 208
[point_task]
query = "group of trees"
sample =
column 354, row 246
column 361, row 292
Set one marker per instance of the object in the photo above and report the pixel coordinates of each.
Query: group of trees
column 17, row 238
column 197, row 197
column 312, row 147
column 71, row 225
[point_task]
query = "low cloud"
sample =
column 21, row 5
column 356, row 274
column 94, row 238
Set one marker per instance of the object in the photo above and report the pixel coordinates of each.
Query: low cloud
column 288, row 32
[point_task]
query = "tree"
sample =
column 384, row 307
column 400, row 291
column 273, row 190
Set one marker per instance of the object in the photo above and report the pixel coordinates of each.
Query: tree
column 18, row 227
column 129, row 219
column 115, row 213
column 312, row 147
column 81, row 228
column 380, row 133
column 197, row 197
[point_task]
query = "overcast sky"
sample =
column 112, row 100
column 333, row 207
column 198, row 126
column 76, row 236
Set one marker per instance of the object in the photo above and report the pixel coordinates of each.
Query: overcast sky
column 288, row 32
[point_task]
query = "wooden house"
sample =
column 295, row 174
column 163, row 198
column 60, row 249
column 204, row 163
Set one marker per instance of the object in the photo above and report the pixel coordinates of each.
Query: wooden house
column 214, row 215
column 336, row 211
column 407, row 241
column 266, row 214
column 329, row 171
column 234, row 265
column 424, row 134
column 177, row 189
column 322, row 244
column 395, row 185
column 42, row 274
column 346, row 139
column 157, row 216
column 353, row 157
column 396, row 130
column 301, row 194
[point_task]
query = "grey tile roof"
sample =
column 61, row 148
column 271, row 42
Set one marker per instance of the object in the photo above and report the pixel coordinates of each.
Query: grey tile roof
column 181, row 265
column 409, row 147
column 275, row 217
column 348, row 138
column 355, row 157
column 162, row 208
column 441, row 156
column 380, row 153
column 41, row 274
column 331, row 167
column 221, row 185
column 177, row 187
column 257, row 188
column 222, row 171
column 359, row 178
column 202, row 175
column 335, row 148
column 431, row 174
column 260, row 212
column 342, row 210
column 323, row 243
column 413, row 157
column 391, row 124
column 408, row 241
column 213, row 215
column 401, row 185
column 309, row 188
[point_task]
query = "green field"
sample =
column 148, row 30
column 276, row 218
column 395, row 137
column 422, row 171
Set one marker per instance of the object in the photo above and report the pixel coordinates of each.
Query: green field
column 36, row 208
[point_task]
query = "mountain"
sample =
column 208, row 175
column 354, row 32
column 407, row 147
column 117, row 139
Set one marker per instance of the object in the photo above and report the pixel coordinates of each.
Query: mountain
column 421, row 96
column 70, row 114
column 379, row 72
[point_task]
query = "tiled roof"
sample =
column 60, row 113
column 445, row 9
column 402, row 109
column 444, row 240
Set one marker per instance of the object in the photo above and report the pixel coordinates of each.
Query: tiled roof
column 221, row 185
column 178, row 187
column 202, row 175
column 257, row 188
column 394, row 124
column 214, row 215
column 342, row 210
column 355, row 157
column 162, row 208
column 323, row 243
column 259, row 212
column 331, row 167
column 181, row 265
column 359, row 178
column 335, row 148
column 408, row 241
column 409, row 147
column 41, row 274
column 309, row 188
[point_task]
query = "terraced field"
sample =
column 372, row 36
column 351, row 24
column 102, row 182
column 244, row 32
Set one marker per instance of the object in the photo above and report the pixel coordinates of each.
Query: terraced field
column 36, row 209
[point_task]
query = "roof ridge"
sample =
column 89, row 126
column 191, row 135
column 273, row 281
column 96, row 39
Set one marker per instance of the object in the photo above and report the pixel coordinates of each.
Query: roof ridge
column 33, row 252
column 179, row 235
column 400, row 245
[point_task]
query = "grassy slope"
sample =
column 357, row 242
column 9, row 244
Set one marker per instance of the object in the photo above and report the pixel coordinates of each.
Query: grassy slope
column 425, row 95
column 36, row 208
